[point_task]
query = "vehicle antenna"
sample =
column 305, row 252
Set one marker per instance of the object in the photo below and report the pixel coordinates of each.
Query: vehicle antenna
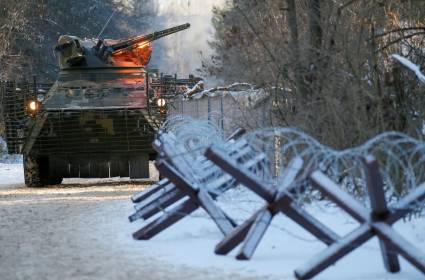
column 106, row 24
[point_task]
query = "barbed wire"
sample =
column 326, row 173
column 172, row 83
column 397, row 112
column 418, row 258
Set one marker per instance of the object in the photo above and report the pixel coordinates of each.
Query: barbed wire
column 400, row 156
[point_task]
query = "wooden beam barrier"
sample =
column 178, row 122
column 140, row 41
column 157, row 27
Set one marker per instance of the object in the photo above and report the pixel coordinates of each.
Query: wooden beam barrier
column 278, row 200
column 160, row 198
column 376, row 221
column 158, row 146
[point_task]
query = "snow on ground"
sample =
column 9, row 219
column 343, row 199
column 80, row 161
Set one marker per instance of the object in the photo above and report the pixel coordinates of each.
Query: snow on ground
column 86, row 235
column 6, row 158
column 11, row 174
column 284, row 247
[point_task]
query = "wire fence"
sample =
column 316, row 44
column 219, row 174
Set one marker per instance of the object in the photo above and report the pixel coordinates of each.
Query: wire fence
column 228, row 109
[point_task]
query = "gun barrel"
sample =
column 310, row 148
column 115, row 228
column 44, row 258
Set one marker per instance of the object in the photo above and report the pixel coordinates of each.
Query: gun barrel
column 147, row 38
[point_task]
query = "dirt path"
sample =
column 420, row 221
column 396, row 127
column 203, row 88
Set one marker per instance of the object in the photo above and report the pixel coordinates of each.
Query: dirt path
column 78, row 232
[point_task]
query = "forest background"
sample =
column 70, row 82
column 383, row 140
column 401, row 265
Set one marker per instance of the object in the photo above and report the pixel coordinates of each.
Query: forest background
column 327, row 63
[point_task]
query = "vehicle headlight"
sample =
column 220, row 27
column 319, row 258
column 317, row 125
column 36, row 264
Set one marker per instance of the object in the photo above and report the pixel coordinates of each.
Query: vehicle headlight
column 33, row 106
column 160, row 102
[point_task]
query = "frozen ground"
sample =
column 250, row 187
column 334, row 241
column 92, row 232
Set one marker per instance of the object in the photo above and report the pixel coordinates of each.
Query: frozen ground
column 80, row 230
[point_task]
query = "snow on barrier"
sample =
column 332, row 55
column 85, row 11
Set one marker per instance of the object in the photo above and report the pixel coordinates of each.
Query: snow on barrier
column 191, row 179
column 287, row 168
column 278, row 199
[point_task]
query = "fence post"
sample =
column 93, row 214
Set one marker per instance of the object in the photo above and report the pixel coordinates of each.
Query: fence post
column 147, row 93
column 2, row 85
column 197, row 108
column 276, row 155
column 209, row 108
column 221, row 113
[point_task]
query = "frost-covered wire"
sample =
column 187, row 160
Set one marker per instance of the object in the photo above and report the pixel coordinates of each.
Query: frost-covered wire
column 401, row 157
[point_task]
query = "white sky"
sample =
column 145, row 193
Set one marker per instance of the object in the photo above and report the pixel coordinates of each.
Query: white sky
column 188, row 7
column 183, row 50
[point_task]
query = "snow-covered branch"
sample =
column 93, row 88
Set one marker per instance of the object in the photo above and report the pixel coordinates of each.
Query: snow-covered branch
column 410, row 65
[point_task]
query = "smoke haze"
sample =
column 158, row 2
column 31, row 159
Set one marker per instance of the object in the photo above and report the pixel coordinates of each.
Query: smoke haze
column 182, row 53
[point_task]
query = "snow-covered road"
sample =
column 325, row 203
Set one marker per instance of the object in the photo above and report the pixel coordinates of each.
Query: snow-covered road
column 77, row 231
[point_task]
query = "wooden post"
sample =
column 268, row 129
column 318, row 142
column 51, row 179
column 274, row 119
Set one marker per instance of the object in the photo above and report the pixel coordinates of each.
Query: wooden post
column 375, row 188
column 200, row 197
column 374, row 222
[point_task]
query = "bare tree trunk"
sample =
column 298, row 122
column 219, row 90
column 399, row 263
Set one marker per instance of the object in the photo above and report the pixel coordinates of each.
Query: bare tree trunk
column 401, row 100
column 295, row 47
column 315, row 53
column 315, row 27
column 375, row 78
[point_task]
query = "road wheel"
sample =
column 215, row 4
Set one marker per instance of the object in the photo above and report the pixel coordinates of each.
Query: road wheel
column 54, row 181
column 32, row 172
column 37, row 172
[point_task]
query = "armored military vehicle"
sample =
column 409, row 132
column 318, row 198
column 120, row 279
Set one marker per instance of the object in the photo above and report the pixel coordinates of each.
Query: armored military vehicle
column 98, row 119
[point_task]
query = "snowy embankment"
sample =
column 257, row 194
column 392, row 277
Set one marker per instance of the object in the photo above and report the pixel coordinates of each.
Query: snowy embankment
column 11, row 174
column 11, row 171
column 6, row 158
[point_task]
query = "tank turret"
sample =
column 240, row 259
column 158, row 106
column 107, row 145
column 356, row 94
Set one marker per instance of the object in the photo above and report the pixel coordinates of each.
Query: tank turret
column 136, row 51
